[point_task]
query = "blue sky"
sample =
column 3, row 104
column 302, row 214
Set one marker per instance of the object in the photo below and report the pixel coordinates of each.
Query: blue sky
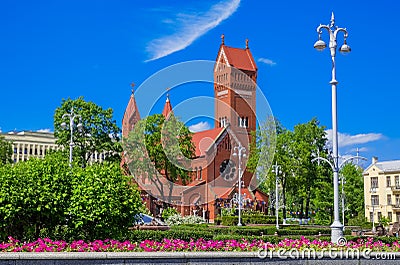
column 52, row 50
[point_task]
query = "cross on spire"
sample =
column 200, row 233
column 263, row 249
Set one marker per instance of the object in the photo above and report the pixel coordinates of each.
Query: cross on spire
column 132, row 89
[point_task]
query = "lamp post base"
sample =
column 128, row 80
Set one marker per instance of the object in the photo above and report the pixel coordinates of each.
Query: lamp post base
column 336, row 231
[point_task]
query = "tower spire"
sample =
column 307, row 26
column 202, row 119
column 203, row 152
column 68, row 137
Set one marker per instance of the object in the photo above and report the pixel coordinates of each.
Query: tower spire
column 247, row 43
column 131, row 115
column 167, row 107
column 223, row 39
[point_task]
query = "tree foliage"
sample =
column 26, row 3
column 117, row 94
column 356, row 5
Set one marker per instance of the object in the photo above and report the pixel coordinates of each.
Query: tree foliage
column 99, row 131
column 304, row 184
column 262, row 147
column 34, row 195
column 309, row 142
column 353, row 190
column 5, row 151
column 102, row 202
column 45, row 197
column 158, row 148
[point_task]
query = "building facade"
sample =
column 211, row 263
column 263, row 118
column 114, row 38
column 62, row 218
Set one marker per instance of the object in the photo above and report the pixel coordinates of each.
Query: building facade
column 27, row 144
column 215, row 178
column 382, row 190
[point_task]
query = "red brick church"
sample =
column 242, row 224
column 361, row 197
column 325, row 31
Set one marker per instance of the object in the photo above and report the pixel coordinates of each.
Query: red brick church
column 216, row 162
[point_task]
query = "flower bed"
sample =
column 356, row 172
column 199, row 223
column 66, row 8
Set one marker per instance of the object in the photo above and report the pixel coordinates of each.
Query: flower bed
column 173, row 245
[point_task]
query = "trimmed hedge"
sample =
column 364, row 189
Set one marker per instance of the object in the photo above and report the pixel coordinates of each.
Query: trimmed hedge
column 141, row 235
column 264, row 233
column 250, row 233
column 304, row 232
column 250, row 219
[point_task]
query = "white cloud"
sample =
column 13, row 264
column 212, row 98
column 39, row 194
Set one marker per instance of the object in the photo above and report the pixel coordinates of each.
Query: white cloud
column 266, row 61
column 44, row 130
column 345, row 139
column 191, row 27
column 362, row 149
column 201, row 126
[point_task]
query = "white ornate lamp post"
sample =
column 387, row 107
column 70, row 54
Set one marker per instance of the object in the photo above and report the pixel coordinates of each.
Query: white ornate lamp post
column 337, row 227
column 240, row 151
column 277, row 170
column 72, row 116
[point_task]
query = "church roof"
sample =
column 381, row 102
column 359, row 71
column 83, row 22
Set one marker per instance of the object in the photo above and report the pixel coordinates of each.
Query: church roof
column 223, row 192
column 260, row 196
column 204, row 139
column 241, row 59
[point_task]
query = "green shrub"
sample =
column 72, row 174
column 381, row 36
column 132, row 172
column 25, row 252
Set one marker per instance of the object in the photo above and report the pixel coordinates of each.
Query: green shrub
column 46, row 198
column 169, row 212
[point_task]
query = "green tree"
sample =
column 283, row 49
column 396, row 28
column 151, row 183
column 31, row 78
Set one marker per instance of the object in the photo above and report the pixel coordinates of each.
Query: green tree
column 300, row 178
column 354, row 191
column 5, row 151
column 286, row 159
column 262, row 147
column 158, row 148
column 99, row 132
column 274, row 142
column 309, row 141
column 33, row 196
column 323, row 197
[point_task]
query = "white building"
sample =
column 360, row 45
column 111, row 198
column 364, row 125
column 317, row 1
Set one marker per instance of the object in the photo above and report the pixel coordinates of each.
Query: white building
column 382, row 190
column 28, row 144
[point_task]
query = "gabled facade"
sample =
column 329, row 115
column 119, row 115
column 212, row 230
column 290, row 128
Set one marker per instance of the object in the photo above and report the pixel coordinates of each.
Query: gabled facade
column 382, row 190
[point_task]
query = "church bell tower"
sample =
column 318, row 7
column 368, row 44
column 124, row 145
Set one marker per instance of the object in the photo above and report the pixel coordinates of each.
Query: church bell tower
column 235, row 77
